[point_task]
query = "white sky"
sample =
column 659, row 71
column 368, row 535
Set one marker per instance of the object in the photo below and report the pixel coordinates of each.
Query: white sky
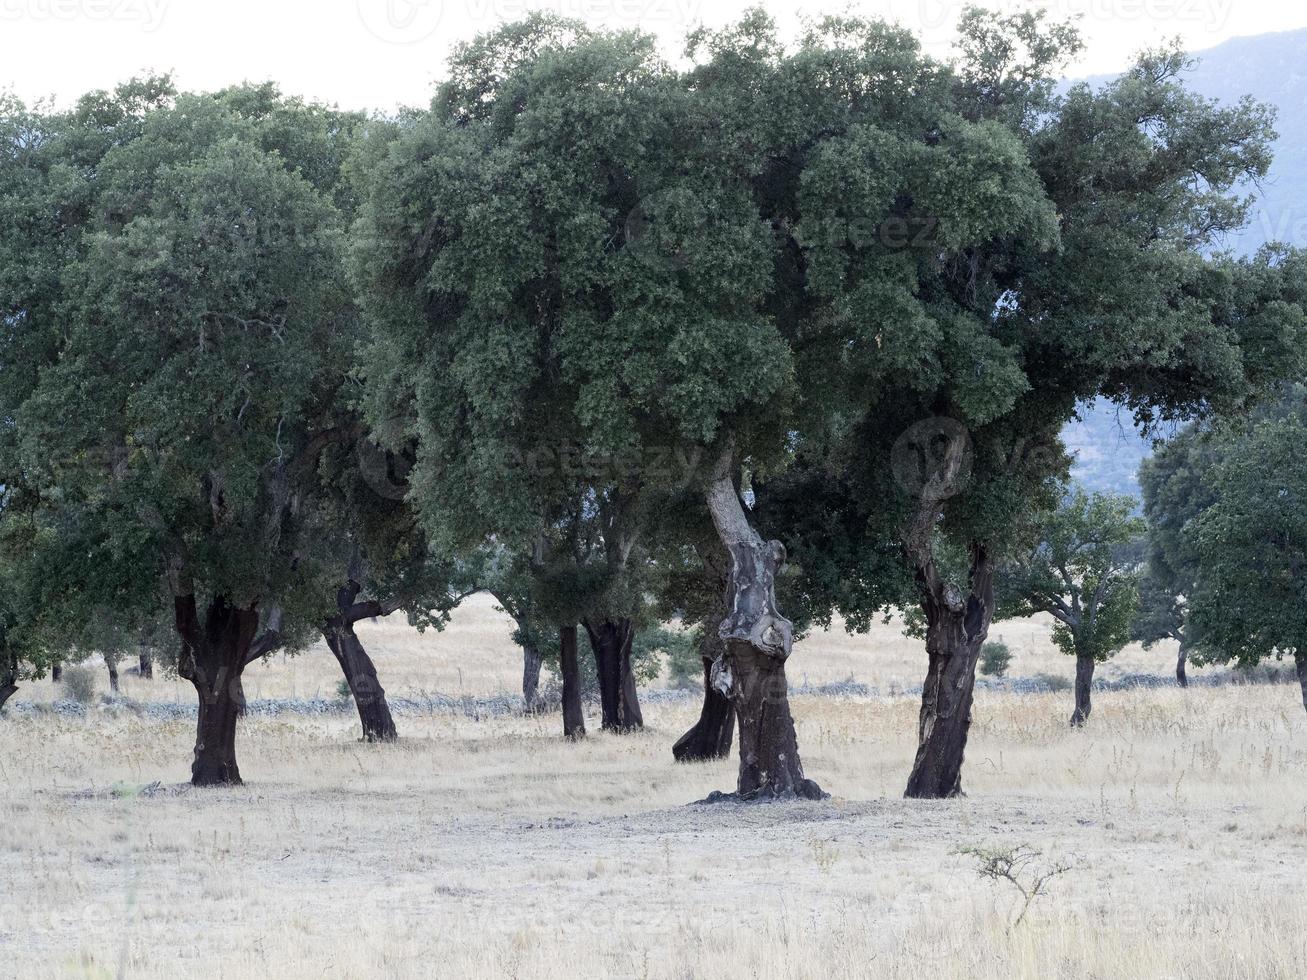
column 382, row 53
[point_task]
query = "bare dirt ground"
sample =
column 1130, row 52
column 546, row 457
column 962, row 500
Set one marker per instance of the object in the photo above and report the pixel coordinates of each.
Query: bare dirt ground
column 493, row 848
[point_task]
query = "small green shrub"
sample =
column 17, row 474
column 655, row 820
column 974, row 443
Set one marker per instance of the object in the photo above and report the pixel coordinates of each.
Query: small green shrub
column 79, row 683
column 1054, row 682
column 995, row 657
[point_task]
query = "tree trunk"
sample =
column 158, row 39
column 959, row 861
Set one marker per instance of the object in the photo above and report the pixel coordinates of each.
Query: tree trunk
column 629, row 703
column 113, row 677
column 361, row 676
column 358, row 668
column 611, row 642
column 531, row 661
column 8, row 679
column 956, row 628
column 56, row 672
column 213, row 656
column 757, row 641
column 1180, row 660
column 573, row 717
column 1084, row 685
column 1300, row 661
column 711, row 736
column 147, row 666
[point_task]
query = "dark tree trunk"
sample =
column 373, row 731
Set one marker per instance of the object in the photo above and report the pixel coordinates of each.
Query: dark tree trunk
column 531, row 662
column 147, row 666
column 56, row 672
column 629, row 703
column 113, row 678
column 610, row 641
column 358, row 668
column 213, row 656
column 1181, row 658
column 361, row 676
column 956, row 628
column 573, row 717
column 711, row 736
column 757, row 640
column 8, row 679
column 1300, row 661
column 1084, row 688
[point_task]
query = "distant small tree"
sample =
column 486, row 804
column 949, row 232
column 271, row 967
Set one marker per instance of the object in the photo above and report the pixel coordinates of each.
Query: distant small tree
column 995, row 656
column 1176, row 489
column 1083, row 571
column 1252, row 545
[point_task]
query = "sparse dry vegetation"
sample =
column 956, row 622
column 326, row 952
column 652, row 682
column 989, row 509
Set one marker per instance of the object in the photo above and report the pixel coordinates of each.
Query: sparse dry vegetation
column 493, row 848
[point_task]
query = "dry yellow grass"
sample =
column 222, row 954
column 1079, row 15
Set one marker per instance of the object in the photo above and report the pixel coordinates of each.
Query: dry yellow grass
column 474, row 655
column 493, row 848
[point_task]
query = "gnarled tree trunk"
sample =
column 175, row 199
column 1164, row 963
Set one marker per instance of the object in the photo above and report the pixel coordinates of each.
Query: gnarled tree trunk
column 610, row 642
column 213, row 657
column 147, row 666
column 1084, row 689
column 361, row 676
column 956, row 627
column 1180, row 660
column 711, row 736
column 531, row 663
column 113, row 677
column 1300, row 661
column 358, row 668
column 757, row 641
column 573, row 717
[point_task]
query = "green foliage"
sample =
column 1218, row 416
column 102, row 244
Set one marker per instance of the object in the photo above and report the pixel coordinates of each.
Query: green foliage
column 995, row 656
column 1083, row 571
column 1252, row 543
column 185, row 342
column 678, row 649
column 1224, row 535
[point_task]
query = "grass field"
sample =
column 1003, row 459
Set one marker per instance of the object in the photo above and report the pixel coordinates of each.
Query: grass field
column 492, row 848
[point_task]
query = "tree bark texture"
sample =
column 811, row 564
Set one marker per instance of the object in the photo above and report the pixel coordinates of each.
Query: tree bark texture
column 712, row 734
column 573, row 716
column 610, row 642
column 213, row 657
column 113, row 678
column 957, row 624
column 1084, row 691
column 360, row 672
column 531, row 663
column 757, row 640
